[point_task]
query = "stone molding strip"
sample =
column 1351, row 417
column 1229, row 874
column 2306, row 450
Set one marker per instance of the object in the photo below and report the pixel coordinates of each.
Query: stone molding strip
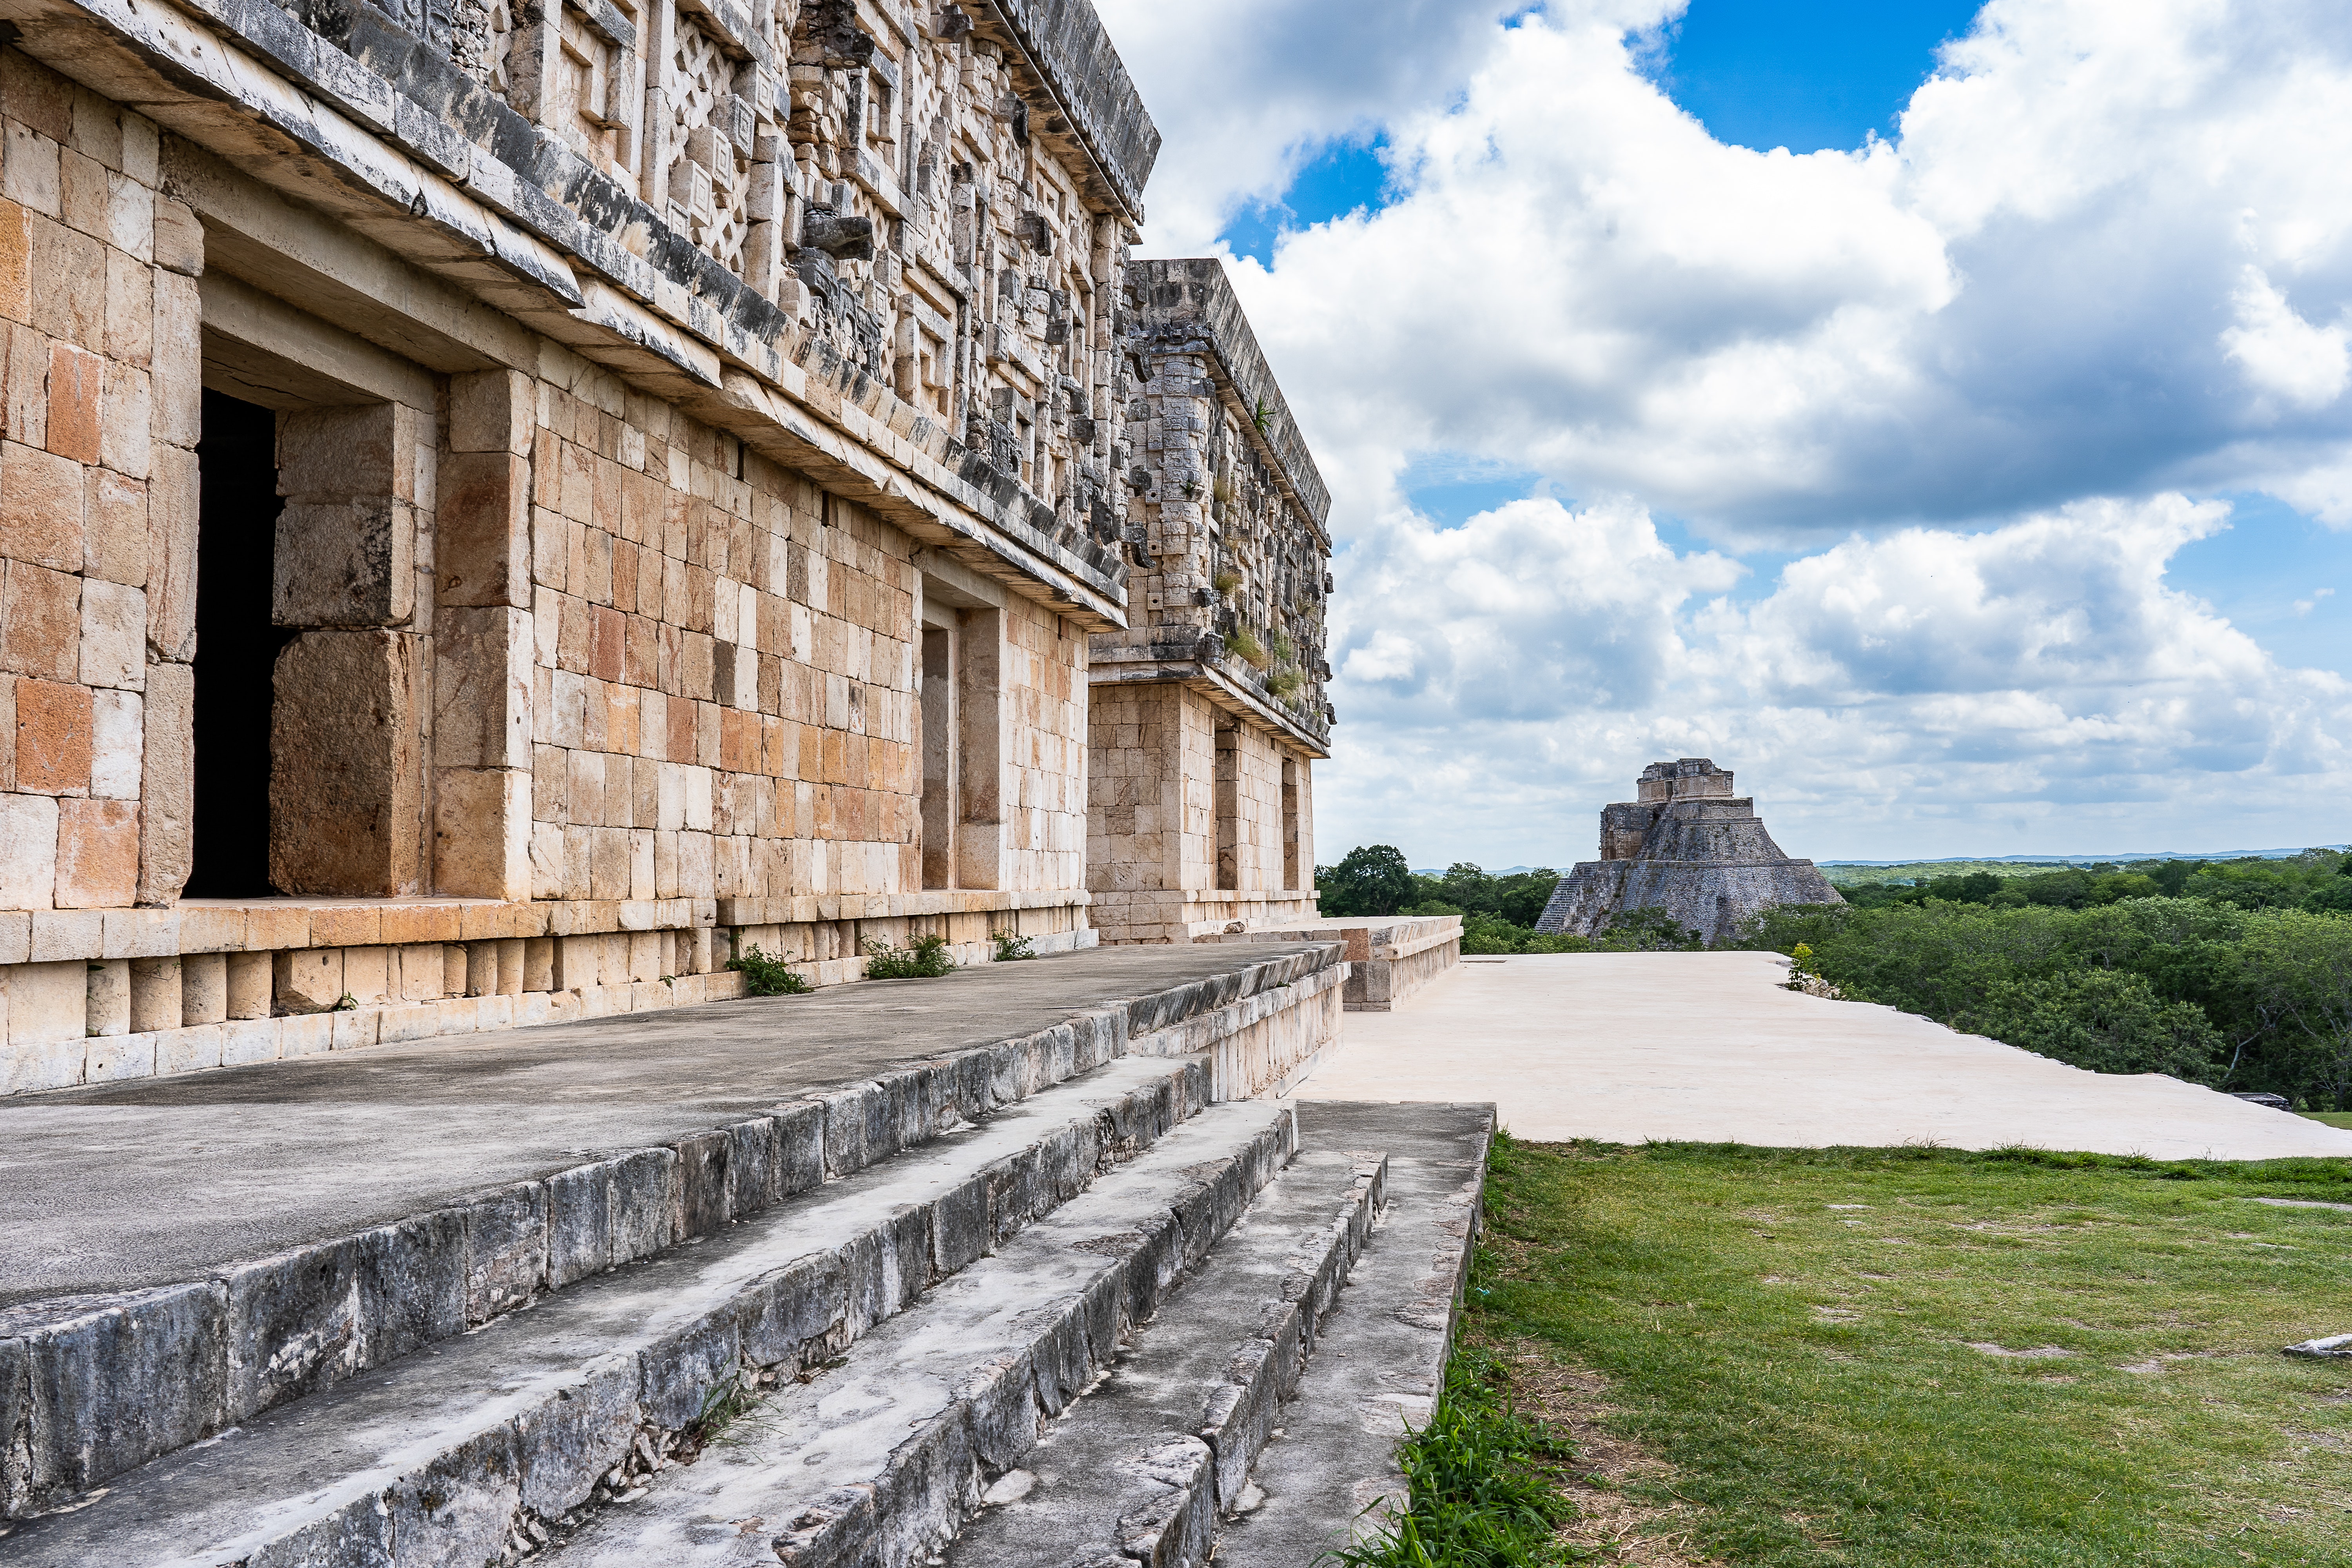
column 77, row 1375
column 274, row 925
column 1118, row 664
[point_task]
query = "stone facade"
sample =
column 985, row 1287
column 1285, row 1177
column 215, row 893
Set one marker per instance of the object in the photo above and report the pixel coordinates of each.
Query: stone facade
column 1208, row 708
column 1686, row 846
column 645, row 476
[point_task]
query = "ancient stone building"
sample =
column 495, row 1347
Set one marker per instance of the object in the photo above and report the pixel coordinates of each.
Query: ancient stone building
column 1208, row 709
column 499, row 503
column 1687, row 847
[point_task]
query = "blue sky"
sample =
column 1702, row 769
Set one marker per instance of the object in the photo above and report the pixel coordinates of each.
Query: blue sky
column 1808, row 75
column 1942, row 418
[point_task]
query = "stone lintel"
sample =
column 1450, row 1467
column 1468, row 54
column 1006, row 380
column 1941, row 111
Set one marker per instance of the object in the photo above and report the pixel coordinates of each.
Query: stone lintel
column 1218, row 685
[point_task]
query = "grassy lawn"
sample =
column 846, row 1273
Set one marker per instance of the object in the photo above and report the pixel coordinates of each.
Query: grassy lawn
column 1918, row 1357
column 2333, row 1118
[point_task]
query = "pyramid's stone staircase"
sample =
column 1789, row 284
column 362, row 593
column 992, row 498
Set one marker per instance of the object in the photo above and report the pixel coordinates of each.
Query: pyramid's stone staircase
column 1044, row 1300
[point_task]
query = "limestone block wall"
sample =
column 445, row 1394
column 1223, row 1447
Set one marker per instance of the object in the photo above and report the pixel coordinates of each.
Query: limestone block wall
column 1190, row 827
column 582, row 690
column 98, row 304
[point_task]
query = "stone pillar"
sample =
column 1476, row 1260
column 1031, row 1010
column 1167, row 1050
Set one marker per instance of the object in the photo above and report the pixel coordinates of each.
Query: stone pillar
column 250, row 982
column 483, row 649
column 155, row 994
column 510, row 966
column 979, row 763
column 203, row 988
column 110, row 996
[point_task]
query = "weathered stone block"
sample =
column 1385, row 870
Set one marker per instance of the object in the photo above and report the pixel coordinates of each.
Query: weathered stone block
column 294, row 1325
column 28, row 851
column 568, row 1441
column 345, row 563
column 77, row 391
column 123, row 1380
column 54, row 738
column 459, row 1507
column 482, row 688
column 345, row 785
column 40, row 622
column 42, row 500
column 482, row 531
column 113, row 636
column 482, row 833
column 251, row 981
column 166, row 784
column 203, row 988
column 309, row 980
column 494, row 411
column 411, row 1284
column 506, row 1250
column 801, row 1306
column 173, row 513
column 98, row 854
column 155, row 994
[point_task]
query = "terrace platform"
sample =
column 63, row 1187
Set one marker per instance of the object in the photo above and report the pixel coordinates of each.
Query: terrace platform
column 1709, row 1047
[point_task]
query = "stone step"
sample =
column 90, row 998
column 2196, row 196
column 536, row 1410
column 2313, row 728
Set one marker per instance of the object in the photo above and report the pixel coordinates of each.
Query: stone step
column 240, row 1239
column 876, row 1461
column 1330, row 1473
column 461, row 1450
column 1143, row 1466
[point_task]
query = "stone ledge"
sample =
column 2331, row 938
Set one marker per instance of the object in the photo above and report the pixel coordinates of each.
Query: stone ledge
column 276, row 925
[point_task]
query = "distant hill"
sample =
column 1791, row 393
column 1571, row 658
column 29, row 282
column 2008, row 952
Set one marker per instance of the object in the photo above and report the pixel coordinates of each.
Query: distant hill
column 2097, row 859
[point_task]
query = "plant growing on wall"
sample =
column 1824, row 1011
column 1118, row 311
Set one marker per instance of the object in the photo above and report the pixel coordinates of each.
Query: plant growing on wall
column 926, row 957
column 1283, row 649
column 1243, row 644
column 1011, row 946
column 1285, row 682
column 1226, row 582
column 765, row 976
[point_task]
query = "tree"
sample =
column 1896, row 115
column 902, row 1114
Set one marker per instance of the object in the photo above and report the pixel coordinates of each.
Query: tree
column 2101, row 1020
column 1370, row 880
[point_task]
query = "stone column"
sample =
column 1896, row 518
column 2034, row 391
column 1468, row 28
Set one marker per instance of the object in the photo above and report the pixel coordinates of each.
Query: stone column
column 483, row 641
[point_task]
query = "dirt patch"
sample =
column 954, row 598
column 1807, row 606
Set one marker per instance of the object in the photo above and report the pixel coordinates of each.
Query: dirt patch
column 1623, row 1528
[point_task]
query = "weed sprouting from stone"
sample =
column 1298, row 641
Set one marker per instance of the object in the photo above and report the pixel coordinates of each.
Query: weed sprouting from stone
column 926, row 958
column 1011, row 946
column 765, row 976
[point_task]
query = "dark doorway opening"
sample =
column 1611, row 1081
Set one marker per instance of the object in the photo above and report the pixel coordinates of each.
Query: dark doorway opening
column 237, row 647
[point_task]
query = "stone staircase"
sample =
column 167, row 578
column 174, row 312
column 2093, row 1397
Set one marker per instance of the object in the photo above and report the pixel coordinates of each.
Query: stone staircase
column 1038, row 1303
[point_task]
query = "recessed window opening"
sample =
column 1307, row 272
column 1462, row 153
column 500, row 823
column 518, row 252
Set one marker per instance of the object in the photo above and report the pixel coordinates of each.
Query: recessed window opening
column 237, row 647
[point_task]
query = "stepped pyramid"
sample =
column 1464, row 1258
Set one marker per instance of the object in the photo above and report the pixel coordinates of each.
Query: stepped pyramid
column 1688, row 847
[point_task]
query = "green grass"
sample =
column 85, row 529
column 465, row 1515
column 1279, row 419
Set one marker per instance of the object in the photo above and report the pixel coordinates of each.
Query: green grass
column 1485, row 1484
column 1791, row 1331
column 2333, row 1118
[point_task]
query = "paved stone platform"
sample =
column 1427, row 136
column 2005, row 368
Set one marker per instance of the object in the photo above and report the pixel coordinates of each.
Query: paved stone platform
column 122, row 1187
column 1707, row 1046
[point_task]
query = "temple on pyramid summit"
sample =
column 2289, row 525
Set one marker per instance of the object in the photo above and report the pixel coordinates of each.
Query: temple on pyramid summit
column 1688, row 847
